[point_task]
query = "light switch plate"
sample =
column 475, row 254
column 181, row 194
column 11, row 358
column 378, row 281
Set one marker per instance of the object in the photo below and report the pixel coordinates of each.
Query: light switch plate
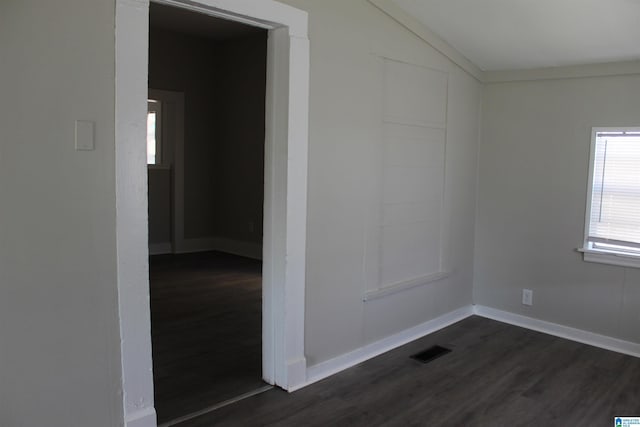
column 85, row 135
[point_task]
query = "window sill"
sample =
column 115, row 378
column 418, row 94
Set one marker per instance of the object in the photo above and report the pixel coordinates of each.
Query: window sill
column 611, row 258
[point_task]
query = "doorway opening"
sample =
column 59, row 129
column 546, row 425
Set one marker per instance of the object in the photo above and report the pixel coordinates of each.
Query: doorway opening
column 205, row 160
column 285, row 186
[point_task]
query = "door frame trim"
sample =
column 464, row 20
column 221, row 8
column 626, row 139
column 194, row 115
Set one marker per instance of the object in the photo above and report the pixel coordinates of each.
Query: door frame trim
column 285, row 209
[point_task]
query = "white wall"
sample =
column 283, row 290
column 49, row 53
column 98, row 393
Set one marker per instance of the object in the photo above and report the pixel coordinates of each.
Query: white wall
column 59, row 336
column 531, row 203
column 347, row 40
column 60, row 355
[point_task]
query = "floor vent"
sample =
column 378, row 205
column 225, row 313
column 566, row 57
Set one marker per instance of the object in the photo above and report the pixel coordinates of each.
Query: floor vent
column 430, row 354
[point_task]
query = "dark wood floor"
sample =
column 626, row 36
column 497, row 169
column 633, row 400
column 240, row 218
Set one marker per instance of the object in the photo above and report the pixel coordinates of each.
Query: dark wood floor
column 206, row 330
column 496, row 375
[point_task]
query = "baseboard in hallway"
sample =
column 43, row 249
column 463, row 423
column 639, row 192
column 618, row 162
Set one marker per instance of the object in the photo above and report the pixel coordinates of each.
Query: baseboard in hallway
column 245, row 249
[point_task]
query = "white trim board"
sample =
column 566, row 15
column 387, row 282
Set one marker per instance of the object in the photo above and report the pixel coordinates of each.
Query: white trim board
column 144, row 418
column 607, row 69
column 432, row 39
column 578, row 335
column 235, row 247
column 337, row 364
column 160, row 248
column 369, row 351
column 404, row 285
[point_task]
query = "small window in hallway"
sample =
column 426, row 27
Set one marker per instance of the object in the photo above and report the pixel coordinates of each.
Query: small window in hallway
column 153, row 133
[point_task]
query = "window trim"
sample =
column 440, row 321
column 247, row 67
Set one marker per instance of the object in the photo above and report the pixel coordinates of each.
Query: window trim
column 598, row 255
column 155, row 106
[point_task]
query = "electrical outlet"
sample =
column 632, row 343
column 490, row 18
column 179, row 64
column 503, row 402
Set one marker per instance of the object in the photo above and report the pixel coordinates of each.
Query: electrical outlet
column 527, row 297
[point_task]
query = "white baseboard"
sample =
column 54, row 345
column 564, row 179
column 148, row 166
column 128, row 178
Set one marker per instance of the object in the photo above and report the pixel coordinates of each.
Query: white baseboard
column 143, row 418
column 296, row 374
column 340, row 363
column 333, row 366
column 235, row 247
column 578, row 335
column 160, row 248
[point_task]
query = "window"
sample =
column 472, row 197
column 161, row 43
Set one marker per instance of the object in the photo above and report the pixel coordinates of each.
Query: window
column 612, row 226
column 154, row 113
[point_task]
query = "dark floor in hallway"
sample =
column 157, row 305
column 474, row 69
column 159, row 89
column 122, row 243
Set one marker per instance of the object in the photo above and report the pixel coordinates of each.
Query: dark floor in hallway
column 497, row 375
column 206, row 313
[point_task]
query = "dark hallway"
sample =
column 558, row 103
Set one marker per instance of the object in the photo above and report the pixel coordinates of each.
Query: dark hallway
column 206, row 330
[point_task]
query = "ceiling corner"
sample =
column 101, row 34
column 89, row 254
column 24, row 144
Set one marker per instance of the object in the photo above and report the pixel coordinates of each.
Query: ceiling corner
column 423, row 32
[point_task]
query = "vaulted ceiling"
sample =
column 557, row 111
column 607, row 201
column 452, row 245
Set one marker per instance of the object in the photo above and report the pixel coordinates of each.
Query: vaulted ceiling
column 521, row 34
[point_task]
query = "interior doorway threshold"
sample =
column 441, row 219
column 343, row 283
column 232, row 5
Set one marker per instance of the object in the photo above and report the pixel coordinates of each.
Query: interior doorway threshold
column 212, row 408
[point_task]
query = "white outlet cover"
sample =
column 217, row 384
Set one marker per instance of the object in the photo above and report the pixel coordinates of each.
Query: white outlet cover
column 85, row 135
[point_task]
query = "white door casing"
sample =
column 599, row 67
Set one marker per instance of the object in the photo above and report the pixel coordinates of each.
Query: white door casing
column 284, row 240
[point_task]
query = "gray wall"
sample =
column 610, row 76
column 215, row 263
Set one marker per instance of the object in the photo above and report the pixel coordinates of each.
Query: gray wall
column 184, row 64
column 344, row 174
column 59, row 333
column 531, row 203
column 160, row 207
column 224, row 87
column 60, row 359
column 239, row 156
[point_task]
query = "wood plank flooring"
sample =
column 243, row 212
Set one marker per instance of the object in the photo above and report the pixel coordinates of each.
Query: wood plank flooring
column 496, row 375
column 206, row 330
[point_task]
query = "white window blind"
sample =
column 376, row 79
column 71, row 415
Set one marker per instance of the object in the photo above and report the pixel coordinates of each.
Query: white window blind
column 614, row 211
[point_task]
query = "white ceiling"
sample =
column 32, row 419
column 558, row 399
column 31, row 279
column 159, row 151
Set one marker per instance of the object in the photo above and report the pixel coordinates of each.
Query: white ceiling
column 521, row 34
